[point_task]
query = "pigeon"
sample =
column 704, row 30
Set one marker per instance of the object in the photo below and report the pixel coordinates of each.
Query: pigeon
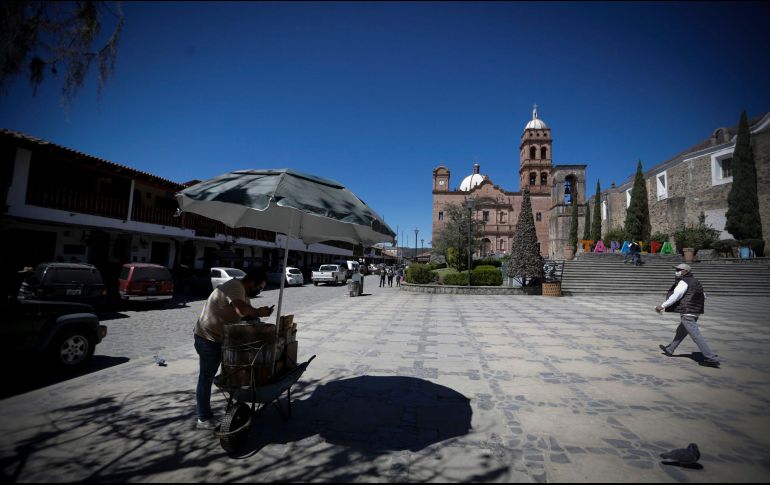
column 160, row 362
column 685, row 456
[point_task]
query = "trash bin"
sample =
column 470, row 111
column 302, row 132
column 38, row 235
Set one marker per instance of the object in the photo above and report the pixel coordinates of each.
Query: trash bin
column 353, row 288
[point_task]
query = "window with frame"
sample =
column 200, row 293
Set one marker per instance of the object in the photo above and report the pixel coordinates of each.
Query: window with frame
column 661, row 181
column 441, row 215
column 485, row 216
column 628, row 198
column 539, row 216
column 604, row 210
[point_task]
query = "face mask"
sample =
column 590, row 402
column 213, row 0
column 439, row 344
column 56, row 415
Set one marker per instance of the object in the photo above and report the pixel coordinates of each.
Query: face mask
column 678, row 274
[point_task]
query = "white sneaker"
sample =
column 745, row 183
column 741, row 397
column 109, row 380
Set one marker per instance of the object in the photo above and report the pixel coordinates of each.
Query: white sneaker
column 209, row 424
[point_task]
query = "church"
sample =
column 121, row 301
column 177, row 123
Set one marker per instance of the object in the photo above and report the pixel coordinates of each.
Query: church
column 551, row 189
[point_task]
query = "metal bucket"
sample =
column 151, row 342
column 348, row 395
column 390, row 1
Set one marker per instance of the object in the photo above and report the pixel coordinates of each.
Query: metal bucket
column 246, row 346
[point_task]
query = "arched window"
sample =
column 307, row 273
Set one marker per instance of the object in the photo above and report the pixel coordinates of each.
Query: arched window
column 532, row 178
column 543, row 153
column 532, row 153
column 544, row 178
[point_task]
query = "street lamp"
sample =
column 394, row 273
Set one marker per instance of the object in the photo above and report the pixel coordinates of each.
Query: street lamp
column 469, row 205
column 422, row 246
column 415, row 244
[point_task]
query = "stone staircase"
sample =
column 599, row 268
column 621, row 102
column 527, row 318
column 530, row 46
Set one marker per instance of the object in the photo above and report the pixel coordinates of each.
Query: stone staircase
column 606, row 274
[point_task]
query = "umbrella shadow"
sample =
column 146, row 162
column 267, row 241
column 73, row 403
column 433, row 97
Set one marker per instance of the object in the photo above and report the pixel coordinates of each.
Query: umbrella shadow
column 369, row 414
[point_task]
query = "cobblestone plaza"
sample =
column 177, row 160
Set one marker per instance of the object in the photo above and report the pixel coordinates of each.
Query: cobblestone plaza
column 415, row 387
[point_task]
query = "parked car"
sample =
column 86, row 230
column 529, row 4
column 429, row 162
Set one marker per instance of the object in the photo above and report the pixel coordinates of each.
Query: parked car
column 145, row 282
column 330, row 273
column 293, row 276
column 65, row 334
column 221, row 275
column 74, row 282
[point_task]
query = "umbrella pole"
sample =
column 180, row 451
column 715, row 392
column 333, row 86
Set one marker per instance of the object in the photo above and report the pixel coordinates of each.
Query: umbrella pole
column 280, row 293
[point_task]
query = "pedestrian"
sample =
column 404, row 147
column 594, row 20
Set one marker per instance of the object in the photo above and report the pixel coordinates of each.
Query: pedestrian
column 686, row 296
column 399, row 276
column 636, row 253
column 228, row 303
column 382, row 277
column 390, row 277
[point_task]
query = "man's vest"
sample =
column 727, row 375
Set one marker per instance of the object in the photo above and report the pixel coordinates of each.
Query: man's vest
column 693, row 299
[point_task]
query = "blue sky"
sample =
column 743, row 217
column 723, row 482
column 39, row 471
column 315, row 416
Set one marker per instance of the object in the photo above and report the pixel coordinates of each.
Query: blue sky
column 375, row 95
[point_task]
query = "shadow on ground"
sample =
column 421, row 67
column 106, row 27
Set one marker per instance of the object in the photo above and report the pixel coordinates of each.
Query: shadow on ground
column 35, row 375
column 146, row 435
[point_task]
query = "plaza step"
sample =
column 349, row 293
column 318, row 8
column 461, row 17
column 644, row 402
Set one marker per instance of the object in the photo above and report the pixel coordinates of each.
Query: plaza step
column 611, row 276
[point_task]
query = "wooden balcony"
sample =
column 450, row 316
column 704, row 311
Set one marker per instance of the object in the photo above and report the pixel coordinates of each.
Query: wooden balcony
column 82, row 202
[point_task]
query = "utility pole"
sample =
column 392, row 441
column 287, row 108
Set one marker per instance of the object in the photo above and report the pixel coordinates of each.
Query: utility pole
column 415, row 244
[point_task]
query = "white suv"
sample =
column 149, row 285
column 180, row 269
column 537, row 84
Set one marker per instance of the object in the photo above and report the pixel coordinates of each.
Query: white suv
column 222, row 275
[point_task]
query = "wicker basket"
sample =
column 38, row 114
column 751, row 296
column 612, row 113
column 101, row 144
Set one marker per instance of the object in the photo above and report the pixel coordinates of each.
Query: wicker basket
column 552, row 289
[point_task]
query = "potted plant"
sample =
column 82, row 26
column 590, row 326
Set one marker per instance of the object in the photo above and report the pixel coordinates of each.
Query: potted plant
column 692, row 238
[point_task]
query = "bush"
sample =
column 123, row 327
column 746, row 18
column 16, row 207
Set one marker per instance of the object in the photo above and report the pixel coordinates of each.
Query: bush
column 494, row 262
column 696, row 237
column 660, row 237
column 419, row 274
column 482, row 276
column 618, row 235
column 725, row 247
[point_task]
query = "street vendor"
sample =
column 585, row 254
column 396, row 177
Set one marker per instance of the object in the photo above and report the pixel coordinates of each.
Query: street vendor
column 227, row 304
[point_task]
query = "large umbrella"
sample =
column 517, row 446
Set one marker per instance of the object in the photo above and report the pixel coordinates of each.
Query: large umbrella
column 296, row 204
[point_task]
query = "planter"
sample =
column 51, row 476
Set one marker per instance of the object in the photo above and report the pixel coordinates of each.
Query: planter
column 689, row 254
column 569, row 252
column 552, row 289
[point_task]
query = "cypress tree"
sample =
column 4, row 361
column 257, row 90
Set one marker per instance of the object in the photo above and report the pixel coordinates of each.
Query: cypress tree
column 573, row 229
column 638, row 225
column 743, row 220
column 596, row 225
column 525, row 261
column 587, row 223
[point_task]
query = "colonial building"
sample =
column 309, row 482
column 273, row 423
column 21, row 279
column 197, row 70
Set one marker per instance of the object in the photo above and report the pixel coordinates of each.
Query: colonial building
column 696, row 181
column 58, row 204
column 551, row 187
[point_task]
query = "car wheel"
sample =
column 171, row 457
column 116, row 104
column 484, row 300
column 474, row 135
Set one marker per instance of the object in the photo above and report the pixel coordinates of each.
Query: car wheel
column 72, row 349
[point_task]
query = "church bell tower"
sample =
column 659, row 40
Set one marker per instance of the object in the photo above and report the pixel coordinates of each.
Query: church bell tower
column 536, row 156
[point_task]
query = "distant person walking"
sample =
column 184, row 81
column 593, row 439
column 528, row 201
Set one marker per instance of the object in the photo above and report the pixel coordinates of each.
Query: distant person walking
column 686, row 296
column 382, row 277
column 399, row 276
column 636, row 253
column 390, row 277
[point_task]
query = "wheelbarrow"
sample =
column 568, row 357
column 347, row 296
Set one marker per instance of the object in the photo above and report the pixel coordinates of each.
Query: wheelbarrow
column 246, row 403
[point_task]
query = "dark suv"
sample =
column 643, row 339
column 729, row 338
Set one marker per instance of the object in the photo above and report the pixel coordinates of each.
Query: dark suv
column 74, row 282
column 64, row 334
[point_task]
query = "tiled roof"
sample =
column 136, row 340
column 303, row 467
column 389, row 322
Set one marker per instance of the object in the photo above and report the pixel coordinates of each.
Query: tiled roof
column 32, row 141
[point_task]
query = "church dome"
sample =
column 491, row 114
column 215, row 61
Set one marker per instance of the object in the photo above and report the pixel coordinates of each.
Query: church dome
column 472, row 180
column 535, row 123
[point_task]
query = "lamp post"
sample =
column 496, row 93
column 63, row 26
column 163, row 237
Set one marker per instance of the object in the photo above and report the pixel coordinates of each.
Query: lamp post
column 422, row 246
column 415, row 244
column 469, row 205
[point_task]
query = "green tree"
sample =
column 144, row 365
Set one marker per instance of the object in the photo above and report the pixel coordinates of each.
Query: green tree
column 452, row 241
column 573, row 229
column 743, row 220
column 638, row 214
column 37, row 38
column 587, row 223
column 596, row 225
column 526, row 263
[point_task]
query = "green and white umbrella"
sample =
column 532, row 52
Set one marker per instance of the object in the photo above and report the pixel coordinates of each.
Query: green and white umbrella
column 296, row 204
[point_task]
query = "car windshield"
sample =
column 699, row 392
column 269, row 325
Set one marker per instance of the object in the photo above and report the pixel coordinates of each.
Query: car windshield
column 294, row 271
column 151, row 274
column 328, row 267
column 235, row 273
column 75, row 275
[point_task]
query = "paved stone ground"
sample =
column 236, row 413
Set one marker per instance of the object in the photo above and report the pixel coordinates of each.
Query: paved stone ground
column 413, row 387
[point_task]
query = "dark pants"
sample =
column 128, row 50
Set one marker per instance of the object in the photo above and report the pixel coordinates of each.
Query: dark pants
column 210, row 354
column 382, row 281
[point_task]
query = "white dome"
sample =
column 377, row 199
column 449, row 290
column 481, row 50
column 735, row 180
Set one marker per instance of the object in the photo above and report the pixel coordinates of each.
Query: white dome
column 535, row 123
column 471, row 181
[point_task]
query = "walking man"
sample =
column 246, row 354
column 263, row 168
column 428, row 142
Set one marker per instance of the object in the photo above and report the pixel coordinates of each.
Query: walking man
column 686, row 297
column 382, row 276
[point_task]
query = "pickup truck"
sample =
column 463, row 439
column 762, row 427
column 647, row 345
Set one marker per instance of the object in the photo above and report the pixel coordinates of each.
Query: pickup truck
column 64, row 334
column 330, row 273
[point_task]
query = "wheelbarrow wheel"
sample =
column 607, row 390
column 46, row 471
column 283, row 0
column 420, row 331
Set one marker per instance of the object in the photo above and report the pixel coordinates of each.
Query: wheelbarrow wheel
column 235, row 427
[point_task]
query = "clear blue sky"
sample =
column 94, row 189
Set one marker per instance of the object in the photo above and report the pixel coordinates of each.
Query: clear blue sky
column 375, row 95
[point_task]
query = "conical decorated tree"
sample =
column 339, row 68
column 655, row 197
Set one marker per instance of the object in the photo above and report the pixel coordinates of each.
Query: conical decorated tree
column 587, row 223
column 743, row 220
column 526, row 262
column 573, row 229
column 596, row 225
column 638, row 225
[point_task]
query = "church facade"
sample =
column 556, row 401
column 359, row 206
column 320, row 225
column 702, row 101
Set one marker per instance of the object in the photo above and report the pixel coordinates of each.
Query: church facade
column 551, row 188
